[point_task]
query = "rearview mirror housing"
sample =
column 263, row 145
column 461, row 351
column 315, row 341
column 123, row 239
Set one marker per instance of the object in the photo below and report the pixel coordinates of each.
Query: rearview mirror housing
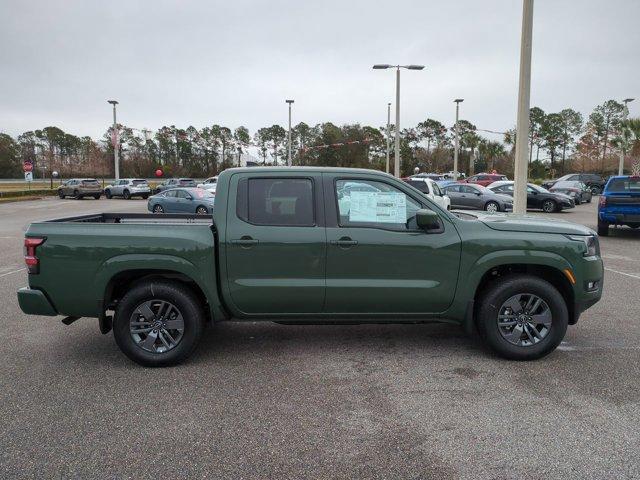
column 428, row 219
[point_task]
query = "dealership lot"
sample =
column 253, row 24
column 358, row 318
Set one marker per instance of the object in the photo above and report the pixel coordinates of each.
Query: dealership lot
column 266, row 400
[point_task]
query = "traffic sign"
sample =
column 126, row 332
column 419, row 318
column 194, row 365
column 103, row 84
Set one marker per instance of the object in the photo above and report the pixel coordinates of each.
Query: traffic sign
column 28, row 176
column 27, row 166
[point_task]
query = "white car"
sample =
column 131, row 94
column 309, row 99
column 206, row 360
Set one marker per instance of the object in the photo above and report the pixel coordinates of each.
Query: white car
column 430, row 188
column 209, row 184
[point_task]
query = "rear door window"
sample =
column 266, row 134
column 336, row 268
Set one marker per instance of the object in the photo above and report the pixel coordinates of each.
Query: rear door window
column 277, row 202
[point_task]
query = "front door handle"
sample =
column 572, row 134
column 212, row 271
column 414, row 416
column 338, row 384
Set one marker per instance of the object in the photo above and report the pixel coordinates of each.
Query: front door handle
column 344, row 242
column 245, row 241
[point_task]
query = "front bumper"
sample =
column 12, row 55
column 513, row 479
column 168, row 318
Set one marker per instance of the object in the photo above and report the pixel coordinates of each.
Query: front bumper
column 35, row 302
column 590, row 270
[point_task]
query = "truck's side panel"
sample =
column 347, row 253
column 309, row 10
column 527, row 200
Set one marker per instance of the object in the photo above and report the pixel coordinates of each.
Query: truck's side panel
column 77, row 259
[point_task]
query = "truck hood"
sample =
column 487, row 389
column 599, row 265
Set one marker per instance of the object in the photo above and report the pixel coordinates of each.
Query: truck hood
column 529, row 223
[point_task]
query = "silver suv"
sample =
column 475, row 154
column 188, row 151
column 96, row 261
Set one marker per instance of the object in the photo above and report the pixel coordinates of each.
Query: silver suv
column 127, row 188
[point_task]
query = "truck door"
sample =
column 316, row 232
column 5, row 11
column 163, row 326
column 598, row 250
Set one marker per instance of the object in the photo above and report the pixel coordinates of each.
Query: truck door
column 275, row 243
column 378, row 260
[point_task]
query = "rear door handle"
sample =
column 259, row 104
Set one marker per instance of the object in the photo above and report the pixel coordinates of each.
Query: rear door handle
column 245, row 241
column 344, row 242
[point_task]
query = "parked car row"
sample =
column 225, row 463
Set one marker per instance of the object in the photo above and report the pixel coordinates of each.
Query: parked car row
column 537, row 197
column 594, row 182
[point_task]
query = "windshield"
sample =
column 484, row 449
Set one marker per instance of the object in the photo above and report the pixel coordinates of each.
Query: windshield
column 201, row 193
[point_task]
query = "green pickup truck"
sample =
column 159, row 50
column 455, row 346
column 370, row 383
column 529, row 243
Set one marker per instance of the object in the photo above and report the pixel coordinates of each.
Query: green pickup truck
column 313, row 245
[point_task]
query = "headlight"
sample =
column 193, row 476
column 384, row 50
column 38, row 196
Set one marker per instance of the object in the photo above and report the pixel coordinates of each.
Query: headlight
column 590, row 244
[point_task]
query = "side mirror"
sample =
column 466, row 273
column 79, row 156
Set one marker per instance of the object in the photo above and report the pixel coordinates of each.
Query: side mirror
column 428, row 219
column 478, row 193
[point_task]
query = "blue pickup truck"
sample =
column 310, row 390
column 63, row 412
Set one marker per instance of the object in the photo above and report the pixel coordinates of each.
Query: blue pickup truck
column 619, row 203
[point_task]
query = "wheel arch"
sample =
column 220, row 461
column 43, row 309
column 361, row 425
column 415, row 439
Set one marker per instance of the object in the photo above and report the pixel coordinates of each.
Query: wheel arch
column 118, row 274
column 545, row 265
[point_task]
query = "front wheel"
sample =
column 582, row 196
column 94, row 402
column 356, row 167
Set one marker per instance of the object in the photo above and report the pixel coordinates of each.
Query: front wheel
column 126, row 195
column 595, row 190
column 492, row 207
column 603, row 228
column 202, row 210
column 522, row 317
column 158, row 209
column 549, row 206
column 61, row 194
column 77, row 195
column 107, row 193
column 97, row 196
column 158, row 323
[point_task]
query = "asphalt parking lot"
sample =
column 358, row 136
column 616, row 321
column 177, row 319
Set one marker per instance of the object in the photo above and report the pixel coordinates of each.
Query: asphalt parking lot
column 262, row 400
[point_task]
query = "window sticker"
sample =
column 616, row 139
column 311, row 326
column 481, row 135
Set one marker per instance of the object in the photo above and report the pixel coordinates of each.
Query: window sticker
column 378, row 207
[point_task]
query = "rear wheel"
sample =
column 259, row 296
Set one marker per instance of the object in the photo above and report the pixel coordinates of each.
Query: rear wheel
column 202, row 210
column 158, row 209
column 492, row 207
column 595, row 190
column 61, row 194
column 145, row 196
column 126, row 195
column 549, row 206
column 522, row 317
column 603, row 228
column 107, row 193
column 77, row 195
column 97, row 196
column 158, row 323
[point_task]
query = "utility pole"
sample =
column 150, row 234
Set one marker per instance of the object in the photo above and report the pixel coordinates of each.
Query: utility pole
column 522, row 126
column 388, row 134
column 626, row 114
column 116, row 153
column 289, row 141
column 456, row 146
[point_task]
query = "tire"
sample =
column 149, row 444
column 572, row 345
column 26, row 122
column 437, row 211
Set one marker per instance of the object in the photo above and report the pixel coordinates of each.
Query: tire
column 107, row 193
column 126, row 195
column 549, row 206
column 145, row 196
column 202, row 210
column 97, row 196
column 492, row 207
column 603, row 228
column 185, row 315
column 77, row 195
column 501, row 339
column 158, row 209
column 61, row 194
column 595, row 190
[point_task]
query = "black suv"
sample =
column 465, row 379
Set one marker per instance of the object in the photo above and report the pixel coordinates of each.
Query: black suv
column 592, row 180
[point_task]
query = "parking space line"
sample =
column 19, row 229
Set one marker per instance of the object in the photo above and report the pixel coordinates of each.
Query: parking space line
column 10, row 273
column 622, row 273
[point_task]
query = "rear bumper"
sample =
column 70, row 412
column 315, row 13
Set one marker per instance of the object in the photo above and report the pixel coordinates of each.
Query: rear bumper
column 34, row 302
column 619, row 218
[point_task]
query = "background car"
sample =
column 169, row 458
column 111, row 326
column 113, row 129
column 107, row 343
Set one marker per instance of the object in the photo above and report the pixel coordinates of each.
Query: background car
column 477, row 197
column 209, row 183
column 576, row 190
column 79, row 188
column 128, row 188
column 176, row 182
column 592, row 180
column 485, row 179
column 537, row 197
column 430, row 188
column 182, row 200
column 619, row 203
column 432, row 176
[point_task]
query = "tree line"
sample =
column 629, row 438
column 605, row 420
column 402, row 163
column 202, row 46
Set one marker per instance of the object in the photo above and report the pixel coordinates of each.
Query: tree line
column 559, row 142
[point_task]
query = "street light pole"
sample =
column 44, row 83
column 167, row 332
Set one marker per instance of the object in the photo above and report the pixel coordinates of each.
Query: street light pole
column 396, row 166
column 522, row 126
column 388, row 134
column 626, row 114
column 289, row 141
column 456, row 146
column 116, row 153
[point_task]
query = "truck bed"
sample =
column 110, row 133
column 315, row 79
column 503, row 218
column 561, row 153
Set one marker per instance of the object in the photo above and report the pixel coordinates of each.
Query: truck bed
column 136, row 218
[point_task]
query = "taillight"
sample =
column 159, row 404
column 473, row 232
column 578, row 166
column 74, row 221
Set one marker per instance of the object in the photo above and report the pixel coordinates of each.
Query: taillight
column 30, row 245
column 603, row 201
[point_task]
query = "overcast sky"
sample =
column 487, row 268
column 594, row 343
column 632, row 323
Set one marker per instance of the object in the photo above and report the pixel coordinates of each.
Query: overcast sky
column 235, row 62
